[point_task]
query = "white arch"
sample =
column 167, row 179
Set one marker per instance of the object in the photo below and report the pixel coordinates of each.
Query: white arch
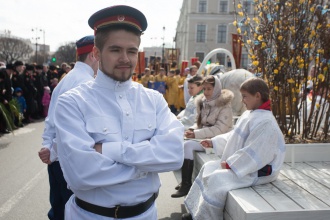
column 215, row 51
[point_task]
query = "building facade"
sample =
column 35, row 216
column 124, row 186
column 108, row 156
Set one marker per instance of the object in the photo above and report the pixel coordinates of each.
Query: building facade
column 205, row 25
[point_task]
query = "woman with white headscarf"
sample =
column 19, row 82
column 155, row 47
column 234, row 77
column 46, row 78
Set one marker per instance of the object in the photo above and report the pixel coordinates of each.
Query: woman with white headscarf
column 214, row 117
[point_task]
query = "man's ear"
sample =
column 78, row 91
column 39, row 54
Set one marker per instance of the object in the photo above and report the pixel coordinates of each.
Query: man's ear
column 96, row 53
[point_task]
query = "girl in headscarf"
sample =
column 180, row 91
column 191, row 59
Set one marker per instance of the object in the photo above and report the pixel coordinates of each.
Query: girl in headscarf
column 214, row 117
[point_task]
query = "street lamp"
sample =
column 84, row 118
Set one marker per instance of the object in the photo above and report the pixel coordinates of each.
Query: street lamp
column 163, row 49
column 44, row 49
column 36, row 38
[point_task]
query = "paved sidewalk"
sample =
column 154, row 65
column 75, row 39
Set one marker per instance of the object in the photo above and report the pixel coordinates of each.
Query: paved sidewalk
column 168, row 207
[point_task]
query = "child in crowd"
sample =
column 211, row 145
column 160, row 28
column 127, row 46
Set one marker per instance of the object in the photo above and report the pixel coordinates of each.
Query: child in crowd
column 188, row 116
column 22, row 105
column 53, row 84
column 214, row 117
column 252, row 154
column 46, row 100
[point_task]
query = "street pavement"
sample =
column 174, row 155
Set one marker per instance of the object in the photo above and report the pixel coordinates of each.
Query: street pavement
column 24, row 188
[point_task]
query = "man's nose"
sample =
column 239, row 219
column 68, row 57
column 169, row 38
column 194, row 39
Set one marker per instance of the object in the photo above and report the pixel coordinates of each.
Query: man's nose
column 124, row 57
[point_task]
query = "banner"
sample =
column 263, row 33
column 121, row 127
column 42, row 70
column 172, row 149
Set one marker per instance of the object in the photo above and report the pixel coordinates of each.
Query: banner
column 194, row 60
column 171, row 54
column 184, row 65
column 140, row 66
column 159, row 86
column 237, row 49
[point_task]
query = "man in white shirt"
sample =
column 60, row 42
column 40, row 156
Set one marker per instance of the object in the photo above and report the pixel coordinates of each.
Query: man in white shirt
column 114, row 135
column 84, row 70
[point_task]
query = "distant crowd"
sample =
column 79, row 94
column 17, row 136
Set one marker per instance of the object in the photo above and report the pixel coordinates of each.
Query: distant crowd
column 25, row 92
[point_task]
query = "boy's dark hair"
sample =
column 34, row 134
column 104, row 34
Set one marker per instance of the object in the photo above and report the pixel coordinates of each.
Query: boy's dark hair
column 102, row 34
column 254, row 85
column 197, row 79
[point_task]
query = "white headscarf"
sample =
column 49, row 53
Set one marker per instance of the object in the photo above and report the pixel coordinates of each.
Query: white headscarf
column 217, row 89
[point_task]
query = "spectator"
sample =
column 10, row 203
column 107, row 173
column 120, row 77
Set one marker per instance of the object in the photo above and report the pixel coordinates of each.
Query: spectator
column 46, row 100
column 180, row 105
column 192, row 72
column 188, row 116
column 172, row 91
column 146, row 78
column 22, row 106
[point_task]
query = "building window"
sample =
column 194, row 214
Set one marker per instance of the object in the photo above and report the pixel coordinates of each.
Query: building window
column 221, row 58
column 200, row 55
column 244, row 61
column 222, row 34
column 247, row 6
column 202, row 6
column 223, row 7
column 201, row 32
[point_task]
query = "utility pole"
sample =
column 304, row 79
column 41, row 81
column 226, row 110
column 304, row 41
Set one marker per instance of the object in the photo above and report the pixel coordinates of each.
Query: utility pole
column 36, row 38
column 163, row 49
column 44, row 46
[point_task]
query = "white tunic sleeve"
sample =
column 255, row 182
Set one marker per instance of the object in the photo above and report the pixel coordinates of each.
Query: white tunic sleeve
column 219, row 142
column 260, row 148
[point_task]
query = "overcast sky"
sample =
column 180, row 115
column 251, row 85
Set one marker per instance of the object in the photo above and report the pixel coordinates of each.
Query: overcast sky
column 66, row 20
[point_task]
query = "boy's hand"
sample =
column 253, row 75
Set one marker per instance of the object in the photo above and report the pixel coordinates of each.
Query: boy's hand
column 207, row 143
column 223, row 165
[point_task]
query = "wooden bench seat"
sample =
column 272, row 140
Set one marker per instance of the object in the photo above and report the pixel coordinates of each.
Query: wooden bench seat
column 302, row 190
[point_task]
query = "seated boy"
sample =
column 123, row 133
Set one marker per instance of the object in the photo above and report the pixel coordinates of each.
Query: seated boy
column 252, row 154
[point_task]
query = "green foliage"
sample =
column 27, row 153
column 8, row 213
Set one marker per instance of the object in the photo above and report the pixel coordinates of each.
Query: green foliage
column 14, row 108
column 7, row 116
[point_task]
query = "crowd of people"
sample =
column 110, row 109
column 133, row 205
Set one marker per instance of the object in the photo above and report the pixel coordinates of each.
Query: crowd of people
column 30, row 87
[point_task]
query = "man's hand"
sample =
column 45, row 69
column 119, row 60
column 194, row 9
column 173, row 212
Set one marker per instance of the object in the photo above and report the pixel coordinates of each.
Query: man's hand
column 98, row 148
column 44, row 155
column 223, row 165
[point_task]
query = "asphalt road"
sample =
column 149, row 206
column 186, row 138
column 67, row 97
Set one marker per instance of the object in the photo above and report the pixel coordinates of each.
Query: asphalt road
column 24, row 187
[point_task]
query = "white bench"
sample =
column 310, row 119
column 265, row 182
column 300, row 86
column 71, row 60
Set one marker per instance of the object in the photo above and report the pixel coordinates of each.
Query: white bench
column 302, row 190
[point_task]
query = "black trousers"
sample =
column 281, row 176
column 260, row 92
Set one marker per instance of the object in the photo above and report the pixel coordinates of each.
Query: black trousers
column 59, row 192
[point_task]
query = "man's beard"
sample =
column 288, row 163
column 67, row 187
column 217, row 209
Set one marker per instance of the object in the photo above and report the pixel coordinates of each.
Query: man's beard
column 121, row 78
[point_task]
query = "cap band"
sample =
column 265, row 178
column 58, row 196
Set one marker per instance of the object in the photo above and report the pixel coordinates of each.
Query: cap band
column 85, row 49
column 117, row 20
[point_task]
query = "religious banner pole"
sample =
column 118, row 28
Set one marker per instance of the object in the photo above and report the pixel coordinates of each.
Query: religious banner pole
column 237, row 49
